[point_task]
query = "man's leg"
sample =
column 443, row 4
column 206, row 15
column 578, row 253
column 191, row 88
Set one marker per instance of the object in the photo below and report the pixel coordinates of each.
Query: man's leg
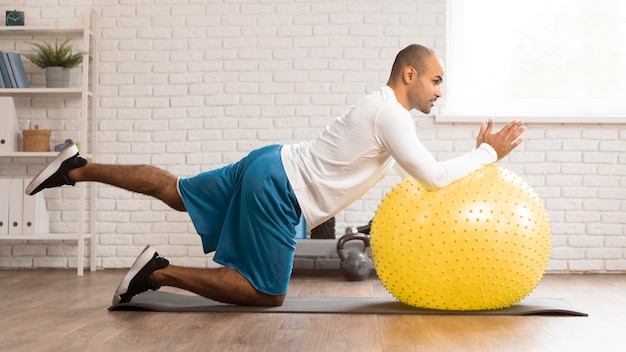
column 151, row 271
column 68, row 167
column 225, row 285
column 144, row 179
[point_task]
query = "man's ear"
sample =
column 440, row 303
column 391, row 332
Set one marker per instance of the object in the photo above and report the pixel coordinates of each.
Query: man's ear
column 410, row 74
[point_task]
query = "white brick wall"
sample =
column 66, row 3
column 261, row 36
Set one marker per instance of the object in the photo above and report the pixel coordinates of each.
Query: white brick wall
column 189, row 87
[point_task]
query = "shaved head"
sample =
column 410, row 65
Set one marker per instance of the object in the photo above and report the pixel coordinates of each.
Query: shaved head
column 413, row 55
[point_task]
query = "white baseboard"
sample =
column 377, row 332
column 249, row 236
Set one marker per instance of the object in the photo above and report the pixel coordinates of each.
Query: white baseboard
column 316, row 248
column 322, row 248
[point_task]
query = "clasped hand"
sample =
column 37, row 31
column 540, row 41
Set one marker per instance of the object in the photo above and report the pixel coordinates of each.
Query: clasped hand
column 503, row 141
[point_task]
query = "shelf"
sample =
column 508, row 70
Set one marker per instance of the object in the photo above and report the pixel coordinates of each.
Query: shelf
column 28, row 154
column 35, row 155
column 40, row 29
column 86, row 92
column 74, row 91
column 45, row 237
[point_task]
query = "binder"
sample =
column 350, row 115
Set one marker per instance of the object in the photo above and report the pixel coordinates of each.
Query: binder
column 4, row 72
column 7, row 63
column 4, row 206
column 16, row 204
column 8, row 121
column 35, row 218
column 21, row 80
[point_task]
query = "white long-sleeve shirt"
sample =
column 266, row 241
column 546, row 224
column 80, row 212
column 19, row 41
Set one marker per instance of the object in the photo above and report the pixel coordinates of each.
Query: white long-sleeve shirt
column 357, row 150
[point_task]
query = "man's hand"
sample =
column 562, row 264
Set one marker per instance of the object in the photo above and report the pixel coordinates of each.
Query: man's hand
column 505, row 140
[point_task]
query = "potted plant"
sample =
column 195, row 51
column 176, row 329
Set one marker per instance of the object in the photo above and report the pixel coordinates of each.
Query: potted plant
column 57, row 60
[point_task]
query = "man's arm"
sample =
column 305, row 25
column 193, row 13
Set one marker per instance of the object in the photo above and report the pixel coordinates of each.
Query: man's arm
column 396, row 132
column 398, row 135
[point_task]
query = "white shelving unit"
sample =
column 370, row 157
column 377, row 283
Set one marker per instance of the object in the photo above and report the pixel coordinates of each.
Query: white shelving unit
column 87, row 93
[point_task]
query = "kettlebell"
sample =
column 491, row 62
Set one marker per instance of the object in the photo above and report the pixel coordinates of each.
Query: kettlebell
column 355, row 264
column 360, row 229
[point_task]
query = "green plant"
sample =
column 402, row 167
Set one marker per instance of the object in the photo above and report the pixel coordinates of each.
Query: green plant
column 46, row 55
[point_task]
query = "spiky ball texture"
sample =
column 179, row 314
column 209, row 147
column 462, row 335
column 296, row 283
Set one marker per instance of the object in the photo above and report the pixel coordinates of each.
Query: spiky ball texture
column 481, row 243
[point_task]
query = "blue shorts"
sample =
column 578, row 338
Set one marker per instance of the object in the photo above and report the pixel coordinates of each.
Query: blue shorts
column 247, row 212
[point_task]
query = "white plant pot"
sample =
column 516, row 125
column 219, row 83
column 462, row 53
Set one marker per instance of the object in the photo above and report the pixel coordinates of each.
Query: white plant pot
column 57, row 77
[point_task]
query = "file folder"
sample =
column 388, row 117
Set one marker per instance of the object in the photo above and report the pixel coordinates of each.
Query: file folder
column 4, row 206
column 35, row 218
column 9, row 131
column 16, row 204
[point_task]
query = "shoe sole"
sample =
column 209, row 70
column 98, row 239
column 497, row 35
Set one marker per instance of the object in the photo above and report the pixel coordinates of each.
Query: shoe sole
column 51, row 168
column 143, row 258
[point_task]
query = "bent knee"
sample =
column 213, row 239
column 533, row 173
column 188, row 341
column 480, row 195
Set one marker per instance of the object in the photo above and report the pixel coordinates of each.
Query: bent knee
column 274, row 301
column 265, row 300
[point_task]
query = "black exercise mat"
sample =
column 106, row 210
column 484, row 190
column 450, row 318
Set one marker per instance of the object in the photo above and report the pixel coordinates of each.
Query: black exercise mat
column 171, row 302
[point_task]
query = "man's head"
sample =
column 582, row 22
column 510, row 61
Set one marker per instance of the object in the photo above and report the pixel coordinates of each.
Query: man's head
column 416, row 77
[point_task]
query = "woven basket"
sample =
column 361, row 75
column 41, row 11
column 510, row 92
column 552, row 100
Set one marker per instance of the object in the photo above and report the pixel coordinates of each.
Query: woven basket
column 36, row 140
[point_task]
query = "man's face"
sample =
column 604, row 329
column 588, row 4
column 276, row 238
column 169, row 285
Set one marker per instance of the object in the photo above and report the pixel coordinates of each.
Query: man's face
column 426, row 88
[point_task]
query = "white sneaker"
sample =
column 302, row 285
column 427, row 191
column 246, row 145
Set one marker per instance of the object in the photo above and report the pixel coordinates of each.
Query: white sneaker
column 137, row 280
column 55, row 173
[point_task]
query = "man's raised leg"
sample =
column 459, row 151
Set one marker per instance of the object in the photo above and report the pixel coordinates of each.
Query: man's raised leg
column 144, row 179
column 68, row 168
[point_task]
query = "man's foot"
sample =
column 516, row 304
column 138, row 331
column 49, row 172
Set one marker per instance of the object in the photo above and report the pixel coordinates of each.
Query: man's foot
column 55, row 173
column 137, row 280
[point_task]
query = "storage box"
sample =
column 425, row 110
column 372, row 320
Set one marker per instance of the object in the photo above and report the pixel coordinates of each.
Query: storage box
column 36, row 140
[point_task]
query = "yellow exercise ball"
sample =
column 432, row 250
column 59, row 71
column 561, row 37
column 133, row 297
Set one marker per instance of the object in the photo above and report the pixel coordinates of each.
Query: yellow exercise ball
column 483, row 242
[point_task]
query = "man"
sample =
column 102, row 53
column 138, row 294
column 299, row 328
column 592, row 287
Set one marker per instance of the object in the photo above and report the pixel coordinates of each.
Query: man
column 246, row 212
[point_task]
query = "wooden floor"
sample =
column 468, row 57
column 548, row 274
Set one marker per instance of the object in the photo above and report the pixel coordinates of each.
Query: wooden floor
column 53, row 310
